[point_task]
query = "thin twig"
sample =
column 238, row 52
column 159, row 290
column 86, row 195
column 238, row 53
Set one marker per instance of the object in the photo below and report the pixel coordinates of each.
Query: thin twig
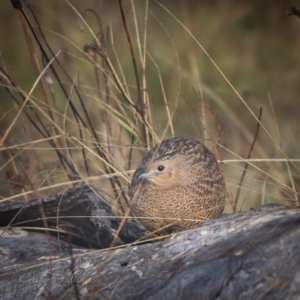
column 246, row 165
column 140, row 100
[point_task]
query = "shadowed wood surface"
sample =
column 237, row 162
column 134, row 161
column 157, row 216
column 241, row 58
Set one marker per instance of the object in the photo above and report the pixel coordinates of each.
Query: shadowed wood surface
column 79, row 213
column 251, row 255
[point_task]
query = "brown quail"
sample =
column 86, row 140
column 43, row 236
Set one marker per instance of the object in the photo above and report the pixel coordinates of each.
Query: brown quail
column 177, row 185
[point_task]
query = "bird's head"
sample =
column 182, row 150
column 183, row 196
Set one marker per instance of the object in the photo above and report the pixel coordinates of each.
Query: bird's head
column 173, row 162
column 159, row 173
column 165, row 173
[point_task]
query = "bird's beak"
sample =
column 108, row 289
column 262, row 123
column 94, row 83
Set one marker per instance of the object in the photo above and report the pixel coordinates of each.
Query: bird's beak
column 146, row 175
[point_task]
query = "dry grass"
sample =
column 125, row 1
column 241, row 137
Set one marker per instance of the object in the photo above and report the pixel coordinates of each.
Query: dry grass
column 90, row 110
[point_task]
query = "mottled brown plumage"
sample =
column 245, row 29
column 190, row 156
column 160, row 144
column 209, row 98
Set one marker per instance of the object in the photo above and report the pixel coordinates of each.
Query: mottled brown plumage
column 177, row 185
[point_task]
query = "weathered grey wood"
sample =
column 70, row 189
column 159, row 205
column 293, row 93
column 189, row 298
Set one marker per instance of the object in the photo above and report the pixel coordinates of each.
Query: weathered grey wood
column 80, row 213
column 251, row 255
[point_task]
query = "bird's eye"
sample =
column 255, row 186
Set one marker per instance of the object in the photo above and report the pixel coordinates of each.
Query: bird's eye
column 160, row 168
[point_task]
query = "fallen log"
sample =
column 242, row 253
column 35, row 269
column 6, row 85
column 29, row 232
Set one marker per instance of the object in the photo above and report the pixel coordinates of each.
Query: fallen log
column 247, row 255
column 80, row 213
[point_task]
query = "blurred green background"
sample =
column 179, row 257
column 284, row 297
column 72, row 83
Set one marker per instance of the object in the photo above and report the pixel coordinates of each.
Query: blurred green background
column 254, row 43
